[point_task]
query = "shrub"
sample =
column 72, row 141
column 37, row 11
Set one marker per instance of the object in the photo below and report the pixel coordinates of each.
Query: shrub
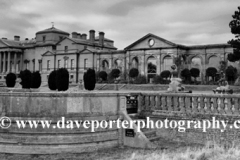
column 25, row 79
column 52, row 80
column 133, row 73
column 115, row 73
column 11, row 79
column 36, row 80
column 157, row 79
column 194, row 72
column 89, row 79
column 140, row 80
column 231, row 74
column 103, row 75
column 165, row 74
column 211, row 72
column 62, row 79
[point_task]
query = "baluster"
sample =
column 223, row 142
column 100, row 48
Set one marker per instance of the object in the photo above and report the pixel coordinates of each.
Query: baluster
column 169, row 103
column 236, row 106
column 175, row 103
column 215, row 105
column 140, row 103
column 164, row 103
column 188, row 104
column 158, row 103
column 181, row 101
column 208, row 105
column 152, row 102
column 229, row 109
column 201, row 105
column 146, row 102
column 221, row 105
column 194, row 104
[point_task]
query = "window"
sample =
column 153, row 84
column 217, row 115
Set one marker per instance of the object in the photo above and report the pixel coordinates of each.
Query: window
column 18, row 64
column 40, row 65
column 85, row 63
column 65, row 63
column 72, row 64
column 66, row 48
column 44, row 39
column 59, row 63
column 48, row 65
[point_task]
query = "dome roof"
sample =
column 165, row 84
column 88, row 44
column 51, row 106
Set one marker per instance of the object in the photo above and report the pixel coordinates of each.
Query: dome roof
column 52, row 30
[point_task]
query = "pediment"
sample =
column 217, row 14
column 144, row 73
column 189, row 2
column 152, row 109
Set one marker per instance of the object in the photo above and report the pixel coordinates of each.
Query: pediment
column 48, row 53
column 150, row 41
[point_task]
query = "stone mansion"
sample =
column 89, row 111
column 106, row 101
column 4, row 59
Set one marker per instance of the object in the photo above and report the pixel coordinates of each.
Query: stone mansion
column 53, row 48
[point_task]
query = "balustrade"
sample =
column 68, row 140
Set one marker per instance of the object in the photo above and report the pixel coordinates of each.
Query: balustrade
column 190, row 103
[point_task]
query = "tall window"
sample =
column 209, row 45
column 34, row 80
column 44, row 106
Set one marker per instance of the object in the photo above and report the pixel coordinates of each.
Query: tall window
column 40, row 65
column 65, row 63
column 59, row 63
column 72, row 64
column 18, row 64
column 66, row 48
column 48, row 65
column 44, row 39
column 85, row 63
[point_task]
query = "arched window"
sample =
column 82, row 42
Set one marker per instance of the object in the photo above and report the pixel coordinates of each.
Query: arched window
column 135, row 62
column 105, row 65
column 214, row 61
column 196, row 63
column 167, row 63
column 118, row 64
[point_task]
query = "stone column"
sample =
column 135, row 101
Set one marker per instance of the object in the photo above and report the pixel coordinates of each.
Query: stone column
column 15, row 62
column 8, row 62
column 158, row 64
column 0, row 62
column 4, row 62
column 21, row 62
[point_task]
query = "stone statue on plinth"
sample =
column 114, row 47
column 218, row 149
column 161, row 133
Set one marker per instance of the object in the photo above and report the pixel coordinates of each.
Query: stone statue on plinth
column 176, row 83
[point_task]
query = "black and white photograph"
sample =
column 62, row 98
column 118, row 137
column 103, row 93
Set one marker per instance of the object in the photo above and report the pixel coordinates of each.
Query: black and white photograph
column 119, row 79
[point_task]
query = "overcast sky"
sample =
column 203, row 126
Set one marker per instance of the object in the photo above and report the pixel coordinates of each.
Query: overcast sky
column 186, row 22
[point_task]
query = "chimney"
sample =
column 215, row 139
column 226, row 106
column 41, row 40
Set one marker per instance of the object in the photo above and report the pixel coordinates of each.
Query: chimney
column 16, row 38
column 101, row 38
column 74, row 34
column 4, row 38
column 92, row 36
column 84, row 36
column 79, row 36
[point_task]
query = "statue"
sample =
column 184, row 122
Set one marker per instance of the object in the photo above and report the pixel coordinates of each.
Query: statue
column 223, row 86
column 176, row 83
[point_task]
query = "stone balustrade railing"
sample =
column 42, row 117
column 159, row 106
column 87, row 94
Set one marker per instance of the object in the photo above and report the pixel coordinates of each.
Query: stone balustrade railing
column 207, row 104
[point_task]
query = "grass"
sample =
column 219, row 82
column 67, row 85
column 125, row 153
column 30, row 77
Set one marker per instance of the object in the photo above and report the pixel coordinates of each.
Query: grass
column 180, row 153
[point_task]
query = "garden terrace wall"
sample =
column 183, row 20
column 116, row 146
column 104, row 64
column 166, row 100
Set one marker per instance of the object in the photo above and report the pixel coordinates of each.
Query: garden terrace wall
column 179, row 106
column 54, row 106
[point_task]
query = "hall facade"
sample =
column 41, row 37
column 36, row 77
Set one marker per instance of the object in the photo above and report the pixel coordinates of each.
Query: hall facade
column 53, row 48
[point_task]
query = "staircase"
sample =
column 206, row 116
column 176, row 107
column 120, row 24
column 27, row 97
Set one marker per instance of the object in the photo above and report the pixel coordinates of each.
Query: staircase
column 151, row 134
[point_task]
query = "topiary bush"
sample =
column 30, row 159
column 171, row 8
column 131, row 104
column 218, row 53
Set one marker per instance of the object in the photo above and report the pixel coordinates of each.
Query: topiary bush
column 11, row 80
column 103, row 75
column 62, row 79
column 141, row 79
column 195, row 72
column 185, row 73
column 26, row 77
column 89, row 79
column 36, row 80
column 231, row 74
column 165, row 74
column 115, row 73
column 211, row 72
column 157, row 79
column 52, row 80
column 133, row 73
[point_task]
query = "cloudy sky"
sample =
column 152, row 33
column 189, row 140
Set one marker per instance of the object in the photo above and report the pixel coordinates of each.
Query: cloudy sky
column 186, row 22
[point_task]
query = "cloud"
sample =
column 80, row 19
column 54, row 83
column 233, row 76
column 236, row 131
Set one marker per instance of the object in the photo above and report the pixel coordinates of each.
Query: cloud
column 124, row 21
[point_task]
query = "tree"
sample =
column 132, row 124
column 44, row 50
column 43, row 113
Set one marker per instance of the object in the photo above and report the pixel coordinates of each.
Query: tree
column 11, row 80
column 36, row 80
column 222, row 66
column 62, row 79
column 235, row 43
column 89, row 79
column 103, row 75
column 211, row 72
column 25, row 79
column 133, row 73
column 165, row 74
column 185, row 73
column 52, row 80
column 231, row 74
column 194, row 72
